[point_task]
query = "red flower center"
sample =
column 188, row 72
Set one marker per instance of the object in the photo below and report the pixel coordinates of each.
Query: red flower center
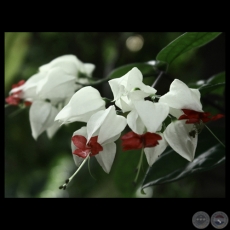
column 133, row 140
column 193, row 117
column 15, row 97
column 83, row 149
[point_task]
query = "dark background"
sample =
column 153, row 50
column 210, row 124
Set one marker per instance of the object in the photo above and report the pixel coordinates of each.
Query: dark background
column 35, row 169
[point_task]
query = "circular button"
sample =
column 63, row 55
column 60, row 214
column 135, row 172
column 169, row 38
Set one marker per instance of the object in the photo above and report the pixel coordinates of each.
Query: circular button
column 219, row 220
column 200, row 220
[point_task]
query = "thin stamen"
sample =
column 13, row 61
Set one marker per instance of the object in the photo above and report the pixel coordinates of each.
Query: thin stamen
column 139, row 167
column 68, row 180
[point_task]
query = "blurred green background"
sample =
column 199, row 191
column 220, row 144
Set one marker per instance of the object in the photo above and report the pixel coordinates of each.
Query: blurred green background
column 37, row 168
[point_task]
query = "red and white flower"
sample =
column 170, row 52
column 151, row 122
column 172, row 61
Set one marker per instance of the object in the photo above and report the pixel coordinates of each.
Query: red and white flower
column 55, row 83
column 98, row 137
column 185, row 105
column 149, row 117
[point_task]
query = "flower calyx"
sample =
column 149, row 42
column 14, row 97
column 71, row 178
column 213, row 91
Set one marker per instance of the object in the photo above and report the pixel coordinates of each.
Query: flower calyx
column 133, row 140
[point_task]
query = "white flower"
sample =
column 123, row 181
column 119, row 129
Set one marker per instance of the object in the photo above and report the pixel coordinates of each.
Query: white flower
column 70, row 64
column 56, row 86
column 182, row 138
column 124, row 89
column 185, row 105
column 82, row 105
column 98, row 137
column 147, row 115
column 41, row 117
column 54, row 82
column 180, row 96
column 146, row 121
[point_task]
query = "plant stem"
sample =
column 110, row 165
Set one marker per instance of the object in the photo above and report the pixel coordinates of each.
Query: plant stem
column 214, row 135
column 158, row 78
column 16, row 112
column 139, row 166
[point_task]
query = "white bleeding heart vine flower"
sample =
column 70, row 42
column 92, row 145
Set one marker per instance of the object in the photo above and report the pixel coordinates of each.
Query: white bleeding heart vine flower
column 97, row 139
column 50, row 89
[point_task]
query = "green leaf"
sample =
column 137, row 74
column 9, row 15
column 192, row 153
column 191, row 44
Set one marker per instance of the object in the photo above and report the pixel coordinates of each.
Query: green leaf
column 217, row 78
column 16, row 47
column 207, row 88
column 184, row 43
column 171, row 166
column 214, row 84
column 150, row 68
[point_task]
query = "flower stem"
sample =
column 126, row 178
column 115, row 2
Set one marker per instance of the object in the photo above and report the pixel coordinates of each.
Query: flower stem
column 158, row 78
column 16, row 112
column 214, row 135
column 139, row 166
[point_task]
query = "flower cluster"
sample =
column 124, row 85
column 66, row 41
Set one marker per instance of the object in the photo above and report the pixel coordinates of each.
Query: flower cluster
column 49, row 90
column 56, row 98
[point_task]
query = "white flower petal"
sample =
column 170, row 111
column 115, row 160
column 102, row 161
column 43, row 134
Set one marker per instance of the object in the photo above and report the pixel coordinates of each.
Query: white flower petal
column 134, row 79
column 135, row 123
column 151, row 114
column 96, row 121
column 69, row 63
column 112, row 139
column 153, row 153
column 84, row 103
column 182, row 97
column 82, row 131
column 137, row 95
column 117, row 88
column 124, row 89
column 56, row 85
column 29, row 88
column 177, row 136
column 106, row 157
column 88, row 68
column 112, row 125
column 147, row 89
column 175, row 112
column 125, row 104
column 53, row 129
column 41, row 117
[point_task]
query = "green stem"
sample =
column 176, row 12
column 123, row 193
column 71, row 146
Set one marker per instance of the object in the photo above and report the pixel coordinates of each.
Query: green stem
column 16, row 112
column 7, row 105
column 158, row 78
column 139, row 166
column 214, row 135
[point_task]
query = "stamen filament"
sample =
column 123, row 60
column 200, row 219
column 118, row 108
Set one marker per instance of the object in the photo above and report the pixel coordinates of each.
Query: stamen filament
column 68, row 180
column 139, row 166
column 214, row 135
column 89, row 169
